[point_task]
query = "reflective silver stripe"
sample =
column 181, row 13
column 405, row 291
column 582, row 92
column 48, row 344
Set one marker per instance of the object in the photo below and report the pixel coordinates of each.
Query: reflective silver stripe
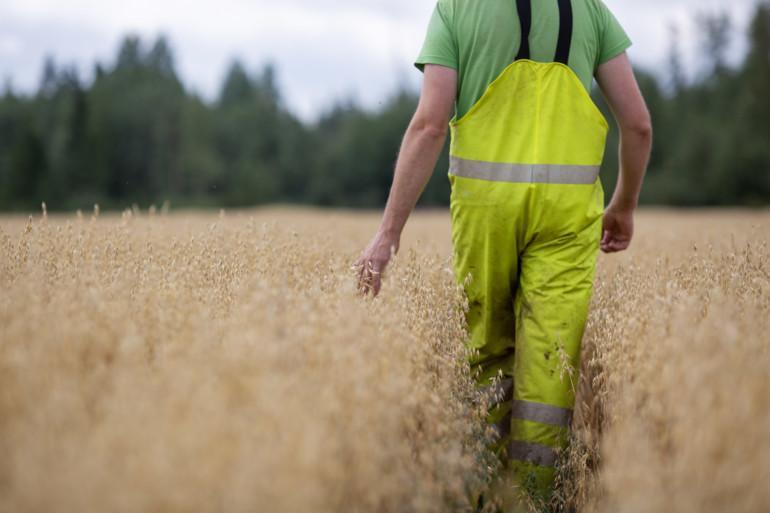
column 523, row 173
column 499, row 392
column 503, row 427
column 544, row 413
column 533, row 453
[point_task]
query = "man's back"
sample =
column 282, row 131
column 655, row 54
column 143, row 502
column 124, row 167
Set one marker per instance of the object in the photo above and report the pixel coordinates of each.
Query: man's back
column 480, row 38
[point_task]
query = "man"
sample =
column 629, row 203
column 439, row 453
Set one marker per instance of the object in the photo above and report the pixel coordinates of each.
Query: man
column 527, row 206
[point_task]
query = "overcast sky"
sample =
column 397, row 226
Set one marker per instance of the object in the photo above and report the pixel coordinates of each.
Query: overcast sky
column 323, row 49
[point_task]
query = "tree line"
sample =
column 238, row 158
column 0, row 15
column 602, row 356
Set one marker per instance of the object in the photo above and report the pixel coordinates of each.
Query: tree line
column 135, row 134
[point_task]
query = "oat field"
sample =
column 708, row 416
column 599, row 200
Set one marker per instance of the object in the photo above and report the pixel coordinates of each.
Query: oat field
column 191, row 362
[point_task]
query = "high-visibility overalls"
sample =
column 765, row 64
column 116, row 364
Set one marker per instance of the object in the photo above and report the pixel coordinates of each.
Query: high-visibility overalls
column 526, row 208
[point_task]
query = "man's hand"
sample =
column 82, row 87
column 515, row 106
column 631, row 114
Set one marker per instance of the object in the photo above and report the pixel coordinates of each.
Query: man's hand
column 373, row 262
column 617, row 229
column 420, row 150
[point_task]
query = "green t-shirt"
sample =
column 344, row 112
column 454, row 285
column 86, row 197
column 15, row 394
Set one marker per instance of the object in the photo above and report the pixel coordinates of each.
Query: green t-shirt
column 480, row 38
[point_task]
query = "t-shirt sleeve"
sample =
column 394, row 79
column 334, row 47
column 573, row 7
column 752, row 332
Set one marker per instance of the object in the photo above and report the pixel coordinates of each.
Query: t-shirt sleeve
column 614, row 39
column 440, row 45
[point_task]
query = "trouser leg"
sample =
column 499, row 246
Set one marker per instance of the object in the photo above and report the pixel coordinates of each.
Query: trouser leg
column 551, row 307
column 485, row 262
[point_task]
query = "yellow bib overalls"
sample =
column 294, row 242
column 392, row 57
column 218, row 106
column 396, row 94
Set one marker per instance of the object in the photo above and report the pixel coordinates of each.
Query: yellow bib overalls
column 526, row 209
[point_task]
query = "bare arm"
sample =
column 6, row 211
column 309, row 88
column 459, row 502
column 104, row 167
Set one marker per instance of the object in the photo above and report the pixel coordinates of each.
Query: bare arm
column 420, row 150
column 618, row 84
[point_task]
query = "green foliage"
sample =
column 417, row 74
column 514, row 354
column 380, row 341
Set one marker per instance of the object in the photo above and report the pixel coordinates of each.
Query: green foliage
column 135, row 135
column 710, row 136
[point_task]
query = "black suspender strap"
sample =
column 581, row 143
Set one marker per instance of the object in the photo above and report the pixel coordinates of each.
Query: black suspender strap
column 525, row 18
column 565, row 32
column 564, row 43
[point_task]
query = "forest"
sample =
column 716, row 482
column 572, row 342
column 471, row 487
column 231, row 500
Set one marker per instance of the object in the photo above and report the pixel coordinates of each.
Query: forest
column 135, row 134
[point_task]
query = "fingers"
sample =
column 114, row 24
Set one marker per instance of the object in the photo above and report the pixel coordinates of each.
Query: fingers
column 620, row 245
column 373, row 277
column 370, row 276
column 359, row 268
column 614, row 245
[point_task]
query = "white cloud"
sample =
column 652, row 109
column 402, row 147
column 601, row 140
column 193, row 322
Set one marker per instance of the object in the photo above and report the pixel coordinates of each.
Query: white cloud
column 10, row 45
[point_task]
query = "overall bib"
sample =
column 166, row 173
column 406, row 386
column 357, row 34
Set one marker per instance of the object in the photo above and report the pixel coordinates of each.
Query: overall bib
column 526, row 208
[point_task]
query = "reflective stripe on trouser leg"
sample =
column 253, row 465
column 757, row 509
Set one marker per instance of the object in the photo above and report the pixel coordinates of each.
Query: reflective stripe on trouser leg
column 536, row 454
column 543, row 413
column 499, row 397
column 499, row 391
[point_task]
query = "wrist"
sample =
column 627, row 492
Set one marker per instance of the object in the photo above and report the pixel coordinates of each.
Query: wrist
column 390, row 228
column 390, row 233
column 624, row 206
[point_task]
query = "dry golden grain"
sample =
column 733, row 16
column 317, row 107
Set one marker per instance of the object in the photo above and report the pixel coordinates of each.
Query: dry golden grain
column 196, row 362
